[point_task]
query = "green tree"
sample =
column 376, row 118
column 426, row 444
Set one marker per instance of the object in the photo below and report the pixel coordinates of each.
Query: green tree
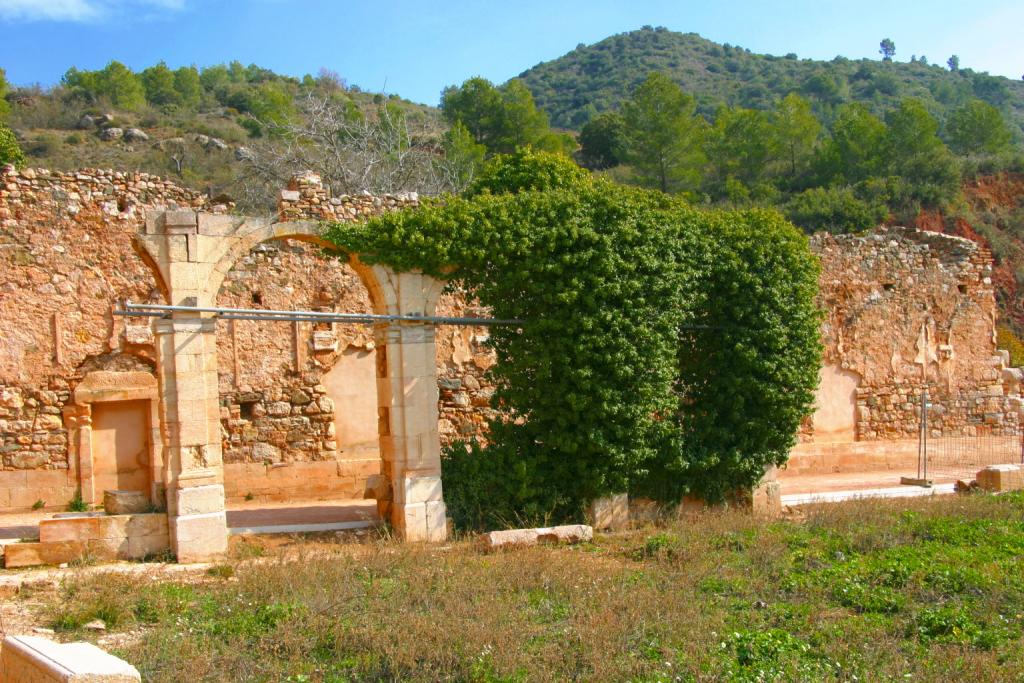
column 978, row 128
column 188, row 86
column 739, row 147
column 664, row 135
column 796, row 130
column 271, row 103
column 887, row 48
column 502, row 119
column 463, row 156
column 213, row 78
column 10, row 152
column 121, row 86
column 856, row 150
column 158, row 81
column 602, row 140
column 953, row 63
column 928, row 172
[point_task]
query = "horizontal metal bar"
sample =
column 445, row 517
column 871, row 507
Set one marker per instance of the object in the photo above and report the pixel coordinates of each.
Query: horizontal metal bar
column 160, row 310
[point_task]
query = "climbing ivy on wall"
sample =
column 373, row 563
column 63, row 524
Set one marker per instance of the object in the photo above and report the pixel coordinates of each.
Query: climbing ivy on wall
column 664, row 351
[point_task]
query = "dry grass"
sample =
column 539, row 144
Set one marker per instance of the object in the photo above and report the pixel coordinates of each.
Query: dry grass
column 923, row 590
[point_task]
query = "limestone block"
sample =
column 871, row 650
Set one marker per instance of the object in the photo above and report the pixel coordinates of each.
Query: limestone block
column 419, row 490
column 511, row 538
column 152, row 524
column 31, row 554
column 141, row 547
column 766, row 499
column 566, row 533
column 325, row 340
column 112, row 526
column 73, row 529
column 200, row 500
column 105, row 549
column 610, row 512
column 644, row 510
column 125, row 502
column 199, row 538
column 179, row 219
column 378, row 487
column 436, row 521
column 1001, row 478
column 217, row 224
column 31, row 659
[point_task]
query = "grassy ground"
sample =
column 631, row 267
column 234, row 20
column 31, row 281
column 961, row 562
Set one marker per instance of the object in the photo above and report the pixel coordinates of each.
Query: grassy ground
column 908, row 590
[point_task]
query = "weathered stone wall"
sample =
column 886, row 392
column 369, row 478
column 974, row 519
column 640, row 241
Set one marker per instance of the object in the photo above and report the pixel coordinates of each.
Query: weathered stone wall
column 67, row 257
column 907, row 310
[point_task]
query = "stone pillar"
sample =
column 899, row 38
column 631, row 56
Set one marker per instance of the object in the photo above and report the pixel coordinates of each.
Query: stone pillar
column 410, row 444
column 193, row 475
column 187, row 376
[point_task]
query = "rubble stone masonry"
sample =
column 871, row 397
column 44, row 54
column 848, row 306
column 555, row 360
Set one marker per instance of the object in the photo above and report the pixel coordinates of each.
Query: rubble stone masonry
column 298, row 401
column 904, row 310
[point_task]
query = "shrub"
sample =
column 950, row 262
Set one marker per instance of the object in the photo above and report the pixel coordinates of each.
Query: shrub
column 664, row 350
column 10, row 152
column 835, row 210
column 77, row 504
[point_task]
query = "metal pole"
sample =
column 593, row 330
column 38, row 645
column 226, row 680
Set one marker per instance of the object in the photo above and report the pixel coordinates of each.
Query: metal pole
column 159, row 310
column 924, row 427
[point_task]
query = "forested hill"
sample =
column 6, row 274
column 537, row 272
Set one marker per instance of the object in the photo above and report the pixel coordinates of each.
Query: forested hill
column 596, row 78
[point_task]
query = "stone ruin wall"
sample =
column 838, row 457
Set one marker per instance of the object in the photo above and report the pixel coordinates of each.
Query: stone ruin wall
column 67, row 259
column 904, row 309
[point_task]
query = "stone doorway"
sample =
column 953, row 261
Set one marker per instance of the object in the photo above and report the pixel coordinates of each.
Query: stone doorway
column 121, row 446
column 114, row 435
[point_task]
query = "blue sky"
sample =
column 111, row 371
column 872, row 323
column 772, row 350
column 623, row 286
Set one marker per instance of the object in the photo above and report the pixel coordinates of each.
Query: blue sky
column 417, row 48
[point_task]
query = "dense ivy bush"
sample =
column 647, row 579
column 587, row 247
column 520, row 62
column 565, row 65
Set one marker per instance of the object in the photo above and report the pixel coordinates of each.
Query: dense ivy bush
column 664, row 350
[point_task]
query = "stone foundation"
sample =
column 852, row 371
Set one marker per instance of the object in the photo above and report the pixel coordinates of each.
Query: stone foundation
column 92, row 536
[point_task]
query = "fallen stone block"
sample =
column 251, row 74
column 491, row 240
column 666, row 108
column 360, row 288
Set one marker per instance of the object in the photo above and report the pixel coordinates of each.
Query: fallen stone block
column 123, row 502
column 32, row 659
column 1001, row 478
column 513, row 538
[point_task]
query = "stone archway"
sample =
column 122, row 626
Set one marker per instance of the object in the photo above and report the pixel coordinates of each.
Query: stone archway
column 191, row 254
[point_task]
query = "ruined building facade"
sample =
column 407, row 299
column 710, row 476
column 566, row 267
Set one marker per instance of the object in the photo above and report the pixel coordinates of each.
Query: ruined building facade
column 299, row 418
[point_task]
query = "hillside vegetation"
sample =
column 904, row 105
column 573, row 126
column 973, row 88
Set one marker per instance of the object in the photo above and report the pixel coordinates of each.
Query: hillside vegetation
column 597, row 78
column 226, row 128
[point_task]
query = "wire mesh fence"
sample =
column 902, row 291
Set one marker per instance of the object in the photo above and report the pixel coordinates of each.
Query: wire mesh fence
column 957, row 437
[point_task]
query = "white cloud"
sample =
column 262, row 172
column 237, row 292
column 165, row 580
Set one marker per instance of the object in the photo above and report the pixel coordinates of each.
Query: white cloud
column 79, row 10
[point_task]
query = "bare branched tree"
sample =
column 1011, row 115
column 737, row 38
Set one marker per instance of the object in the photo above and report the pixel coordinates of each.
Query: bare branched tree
column 380, row 152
